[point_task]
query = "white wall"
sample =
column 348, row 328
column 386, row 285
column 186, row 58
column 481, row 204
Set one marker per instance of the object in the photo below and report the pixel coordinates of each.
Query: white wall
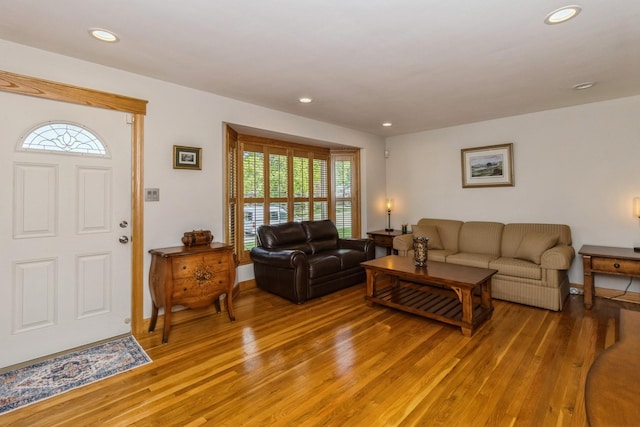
column 180, row 116
column 576, row 166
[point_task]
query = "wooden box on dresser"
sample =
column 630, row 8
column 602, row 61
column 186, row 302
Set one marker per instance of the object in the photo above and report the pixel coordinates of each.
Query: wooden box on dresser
column 193, row 277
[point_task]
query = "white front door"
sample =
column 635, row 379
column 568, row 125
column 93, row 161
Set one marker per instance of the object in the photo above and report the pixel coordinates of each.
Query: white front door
column 65, row 276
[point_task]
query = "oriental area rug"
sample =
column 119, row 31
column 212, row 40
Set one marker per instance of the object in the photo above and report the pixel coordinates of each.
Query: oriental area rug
column 33, row 383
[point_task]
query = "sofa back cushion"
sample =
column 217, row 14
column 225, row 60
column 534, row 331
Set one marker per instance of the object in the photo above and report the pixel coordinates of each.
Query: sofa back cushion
column 288, row 235
column 448, row 230
column 480, row 237
column 430, row 232
column 321, row 235
column 514, row 234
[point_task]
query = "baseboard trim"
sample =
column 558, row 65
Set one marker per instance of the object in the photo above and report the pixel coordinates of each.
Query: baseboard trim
column 613, row 294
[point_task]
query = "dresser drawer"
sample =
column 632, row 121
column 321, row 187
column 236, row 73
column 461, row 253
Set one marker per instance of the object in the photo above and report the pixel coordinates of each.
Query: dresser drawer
column 199, row 266
column 190, row 288
column 615, row 266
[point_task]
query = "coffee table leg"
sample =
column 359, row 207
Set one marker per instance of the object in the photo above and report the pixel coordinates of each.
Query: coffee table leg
column 466, row 298
column 371, row 279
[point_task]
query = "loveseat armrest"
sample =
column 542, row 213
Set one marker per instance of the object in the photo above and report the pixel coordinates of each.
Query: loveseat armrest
column 558, row 258
column 403, row 243
column 362, row 245
column 280, row 258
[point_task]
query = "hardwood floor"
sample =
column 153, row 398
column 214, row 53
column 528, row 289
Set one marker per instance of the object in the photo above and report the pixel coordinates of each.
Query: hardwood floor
column 335, row 361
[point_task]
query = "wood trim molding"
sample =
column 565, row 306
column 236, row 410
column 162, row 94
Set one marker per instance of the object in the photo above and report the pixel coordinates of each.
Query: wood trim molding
column 32, row 86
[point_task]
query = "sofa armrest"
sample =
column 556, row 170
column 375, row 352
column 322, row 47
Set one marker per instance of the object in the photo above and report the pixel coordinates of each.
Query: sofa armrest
column 362, row 245
column 403, row 243
column 280, row 258
column 558, row 258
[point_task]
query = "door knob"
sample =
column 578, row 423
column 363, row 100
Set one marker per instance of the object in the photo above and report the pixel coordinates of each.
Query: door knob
column 123, row 239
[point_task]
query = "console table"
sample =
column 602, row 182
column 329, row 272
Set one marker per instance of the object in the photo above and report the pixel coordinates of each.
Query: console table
column 194, row 277
column 606, row 260
column 384, row 239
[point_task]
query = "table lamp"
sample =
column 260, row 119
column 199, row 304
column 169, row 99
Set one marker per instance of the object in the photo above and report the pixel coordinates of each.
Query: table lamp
column 389, row 207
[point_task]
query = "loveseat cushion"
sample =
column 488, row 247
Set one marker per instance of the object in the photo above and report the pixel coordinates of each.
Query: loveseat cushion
column 321, row 235
column 533, row 245
column 323, row 264
column 349, row 258
column 430, row 232
column 288, row 235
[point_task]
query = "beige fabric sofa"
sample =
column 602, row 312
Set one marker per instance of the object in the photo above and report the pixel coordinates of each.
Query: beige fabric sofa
column 532, row 259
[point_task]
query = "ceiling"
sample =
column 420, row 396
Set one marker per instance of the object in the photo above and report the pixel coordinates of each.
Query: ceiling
column 420, row 64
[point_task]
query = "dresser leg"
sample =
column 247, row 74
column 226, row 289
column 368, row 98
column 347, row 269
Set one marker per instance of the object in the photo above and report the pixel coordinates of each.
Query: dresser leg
column 232, row 316
column 154, row 318
column 167, row 326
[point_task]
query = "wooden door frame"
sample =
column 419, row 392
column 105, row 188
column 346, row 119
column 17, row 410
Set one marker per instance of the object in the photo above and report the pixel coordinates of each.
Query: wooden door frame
column 32, row 86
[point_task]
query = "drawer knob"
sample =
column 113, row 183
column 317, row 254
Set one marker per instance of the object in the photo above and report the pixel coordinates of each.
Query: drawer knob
column 616, row 265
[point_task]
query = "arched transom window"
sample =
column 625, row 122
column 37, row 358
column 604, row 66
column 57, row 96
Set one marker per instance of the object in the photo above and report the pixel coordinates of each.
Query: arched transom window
column 63, row 137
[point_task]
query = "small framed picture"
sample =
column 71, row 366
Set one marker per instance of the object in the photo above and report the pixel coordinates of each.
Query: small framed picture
column 187, row 157
column 490, row 166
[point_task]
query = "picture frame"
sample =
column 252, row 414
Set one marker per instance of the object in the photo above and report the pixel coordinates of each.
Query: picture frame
column 187, row 157
column 490, row 166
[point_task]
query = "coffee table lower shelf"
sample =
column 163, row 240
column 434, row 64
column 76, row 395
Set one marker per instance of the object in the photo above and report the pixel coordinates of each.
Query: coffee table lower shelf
column 432, row 303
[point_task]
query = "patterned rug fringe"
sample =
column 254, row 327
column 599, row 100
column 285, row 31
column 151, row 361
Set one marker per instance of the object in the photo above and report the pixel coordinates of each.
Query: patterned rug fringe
column 33, row 383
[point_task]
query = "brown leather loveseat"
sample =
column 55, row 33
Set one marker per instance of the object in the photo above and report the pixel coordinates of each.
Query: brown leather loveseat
column 303, row 260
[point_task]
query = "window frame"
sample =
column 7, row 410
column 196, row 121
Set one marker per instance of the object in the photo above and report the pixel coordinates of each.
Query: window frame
column 235, row 201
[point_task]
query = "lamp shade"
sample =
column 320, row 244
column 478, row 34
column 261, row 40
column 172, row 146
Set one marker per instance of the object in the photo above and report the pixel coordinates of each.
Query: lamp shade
column 389, row 204
column 636, row 207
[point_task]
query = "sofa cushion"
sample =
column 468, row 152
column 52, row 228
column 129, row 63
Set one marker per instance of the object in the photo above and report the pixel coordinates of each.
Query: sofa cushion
column 429, row 231
column 448, row 230
column 516, row 268
column 471, row 259
column 481, row 237
column 439, row 255
column 514, row 232
column 533, row 246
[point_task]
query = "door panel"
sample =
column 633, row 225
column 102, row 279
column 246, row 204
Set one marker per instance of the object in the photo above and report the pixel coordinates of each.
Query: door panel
column 65, row 280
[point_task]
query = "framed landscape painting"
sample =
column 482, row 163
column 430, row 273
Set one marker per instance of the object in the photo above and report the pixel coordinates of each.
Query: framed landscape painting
column 187, row 157
column 490, row 166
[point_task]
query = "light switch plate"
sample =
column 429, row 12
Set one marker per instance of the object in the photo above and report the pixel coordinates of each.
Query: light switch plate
column 151, row 194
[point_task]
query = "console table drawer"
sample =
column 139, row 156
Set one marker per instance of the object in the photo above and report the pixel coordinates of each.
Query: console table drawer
column 616, row 266
column 384, row 241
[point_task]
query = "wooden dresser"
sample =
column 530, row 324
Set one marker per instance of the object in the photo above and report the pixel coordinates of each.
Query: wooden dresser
column 193, row 277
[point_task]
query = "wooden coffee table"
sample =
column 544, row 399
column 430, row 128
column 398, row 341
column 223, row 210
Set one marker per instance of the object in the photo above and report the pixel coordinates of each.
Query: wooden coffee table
column 443, row 292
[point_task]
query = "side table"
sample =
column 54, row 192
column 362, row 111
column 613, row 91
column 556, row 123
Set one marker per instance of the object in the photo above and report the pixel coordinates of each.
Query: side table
column 384, row 239
column 606, row 260
column 194, row 277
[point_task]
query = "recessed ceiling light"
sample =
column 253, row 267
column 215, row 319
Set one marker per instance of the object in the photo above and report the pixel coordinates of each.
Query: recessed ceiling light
column 387, row 124
column 305, row 100
column 585, row 85
column 562, row 15
column 104, row 35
